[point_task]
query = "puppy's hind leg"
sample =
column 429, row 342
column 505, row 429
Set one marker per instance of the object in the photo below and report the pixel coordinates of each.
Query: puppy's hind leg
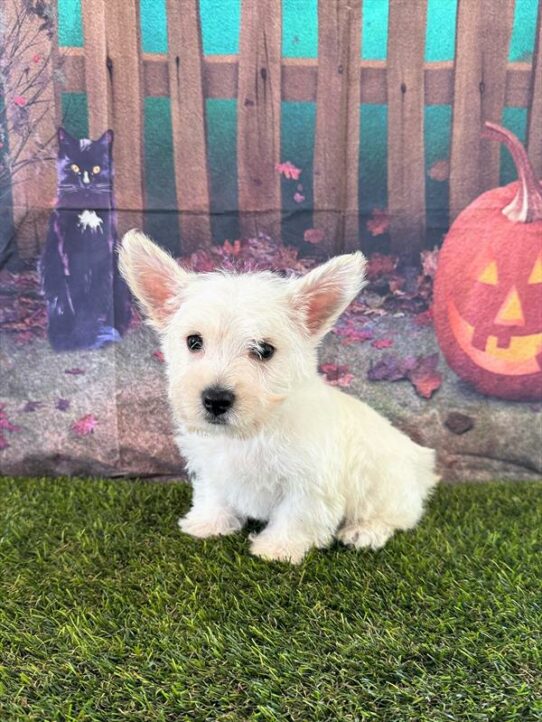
column 393, row 501
column 369, row 534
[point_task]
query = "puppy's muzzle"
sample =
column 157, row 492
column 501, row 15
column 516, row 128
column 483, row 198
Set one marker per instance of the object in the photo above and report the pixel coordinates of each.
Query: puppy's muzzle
column 217, row 401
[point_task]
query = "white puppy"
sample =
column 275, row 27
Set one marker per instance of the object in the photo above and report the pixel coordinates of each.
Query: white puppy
column 263, row 435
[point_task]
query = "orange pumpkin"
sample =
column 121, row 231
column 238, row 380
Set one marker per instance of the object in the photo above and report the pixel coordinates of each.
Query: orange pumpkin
column 488, row 287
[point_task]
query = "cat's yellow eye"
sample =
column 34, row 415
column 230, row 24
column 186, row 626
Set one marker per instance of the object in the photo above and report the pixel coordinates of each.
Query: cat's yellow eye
column 96, row 169
column 75, row 168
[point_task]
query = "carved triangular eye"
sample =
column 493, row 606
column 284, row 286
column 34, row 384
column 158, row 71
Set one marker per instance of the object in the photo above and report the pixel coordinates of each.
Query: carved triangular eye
column 536, row 273
column 489, row 274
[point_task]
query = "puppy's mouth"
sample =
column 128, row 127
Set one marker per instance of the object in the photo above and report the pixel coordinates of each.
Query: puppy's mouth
column 216, row 420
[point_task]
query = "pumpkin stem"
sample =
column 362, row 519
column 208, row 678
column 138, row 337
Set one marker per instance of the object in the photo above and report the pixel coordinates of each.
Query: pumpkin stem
column 526, row 206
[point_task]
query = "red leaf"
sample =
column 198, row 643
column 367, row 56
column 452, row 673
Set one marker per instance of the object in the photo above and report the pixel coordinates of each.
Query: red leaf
column 299, row 197
column 352, row 333
column 232, row 249
column 330, row 368
column 32, row 406
column 379, row 223
column 24, row 337
column 425, row 318
column 426, row 385
column 5, row 423
column 391, row 368
column 85, row 425
column 314, row 235
column 380, row 265
column 288, row 170
column 74, row 372
column 425, row 378
column 62, row 404
column 255, row 254
column 336, row 375
column 159, row 356
column 440, row 170
column 382, row 343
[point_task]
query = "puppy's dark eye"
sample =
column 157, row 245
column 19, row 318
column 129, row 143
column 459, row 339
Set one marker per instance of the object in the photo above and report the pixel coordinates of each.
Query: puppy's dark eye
column 262, row 351
column 194, row 342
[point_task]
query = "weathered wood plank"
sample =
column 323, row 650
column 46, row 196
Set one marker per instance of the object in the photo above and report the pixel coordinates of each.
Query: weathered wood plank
column 97, row 85
column 534, row 119
column 498, row 19
column 406, row 155
column 126, row 92
column 30, row 95
column 299, row 78
column 258, row 117
column 188, row 122
column 336, row 145
column 483, row 33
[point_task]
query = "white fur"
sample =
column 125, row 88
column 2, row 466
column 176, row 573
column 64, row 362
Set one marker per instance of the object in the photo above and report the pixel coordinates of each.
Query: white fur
column 90, row 219
column 311, row 461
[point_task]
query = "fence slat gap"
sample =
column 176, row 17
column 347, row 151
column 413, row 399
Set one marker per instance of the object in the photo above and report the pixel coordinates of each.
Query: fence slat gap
column 185, row 65
column 336, row 145
column 406, row 157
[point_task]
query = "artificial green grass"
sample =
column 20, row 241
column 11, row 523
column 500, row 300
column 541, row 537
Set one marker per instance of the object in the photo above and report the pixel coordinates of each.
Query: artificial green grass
column 108, row 612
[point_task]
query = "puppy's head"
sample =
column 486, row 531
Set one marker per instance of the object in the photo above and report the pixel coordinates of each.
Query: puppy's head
column 236, row 345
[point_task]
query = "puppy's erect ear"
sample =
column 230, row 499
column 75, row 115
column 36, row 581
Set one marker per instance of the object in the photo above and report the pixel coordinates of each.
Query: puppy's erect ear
column 154, row 277
column 324, row 293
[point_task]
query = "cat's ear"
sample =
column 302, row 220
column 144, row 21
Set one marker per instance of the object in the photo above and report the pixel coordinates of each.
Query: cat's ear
column 154, row 277
column 66, row 142
column 106, row 138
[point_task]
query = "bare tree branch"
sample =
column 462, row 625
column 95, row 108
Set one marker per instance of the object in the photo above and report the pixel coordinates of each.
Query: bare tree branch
column 23, row 86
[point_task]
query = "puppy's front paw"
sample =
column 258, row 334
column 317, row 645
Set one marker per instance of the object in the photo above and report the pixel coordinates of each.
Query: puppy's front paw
column 201, row 526
column 274, row 548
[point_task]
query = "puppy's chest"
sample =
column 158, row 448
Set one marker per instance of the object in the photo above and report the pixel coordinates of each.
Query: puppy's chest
column 252, row 475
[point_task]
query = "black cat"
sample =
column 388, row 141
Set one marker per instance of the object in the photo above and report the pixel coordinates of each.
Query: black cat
column 88, row 303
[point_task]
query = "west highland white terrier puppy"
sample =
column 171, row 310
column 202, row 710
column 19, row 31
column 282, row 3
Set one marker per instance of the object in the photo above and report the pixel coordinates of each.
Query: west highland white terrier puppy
column 263, row 435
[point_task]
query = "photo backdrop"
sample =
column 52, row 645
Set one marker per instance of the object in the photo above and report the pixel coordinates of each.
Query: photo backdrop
column 265, row 134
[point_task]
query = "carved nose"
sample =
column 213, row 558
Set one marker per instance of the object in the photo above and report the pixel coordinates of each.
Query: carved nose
column 217, row 400
column 511, row 313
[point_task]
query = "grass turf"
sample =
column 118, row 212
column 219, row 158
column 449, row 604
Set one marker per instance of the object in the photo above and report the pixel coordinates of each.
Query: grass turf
column 108, row 613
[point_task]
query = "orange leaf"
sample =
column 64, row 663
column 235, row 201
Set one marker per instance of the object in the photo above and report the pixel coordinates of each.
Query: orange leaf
column 288, row 170
column 440, row 170
column 313, row 235
column 379, row 223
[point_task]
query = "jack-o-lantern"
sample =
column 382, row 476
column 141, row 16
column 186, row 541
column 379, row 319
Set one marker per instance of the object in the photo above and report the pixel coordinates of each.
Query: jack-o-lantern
column 488, row 287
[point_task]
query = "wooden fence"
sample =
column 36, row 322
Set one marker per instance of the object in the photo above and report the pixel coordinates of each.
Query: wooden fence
column 116, row 76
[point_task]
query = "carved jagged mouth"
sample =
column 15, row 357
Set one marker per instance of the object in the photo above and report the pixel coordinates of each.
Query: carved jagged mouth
column 518, row 358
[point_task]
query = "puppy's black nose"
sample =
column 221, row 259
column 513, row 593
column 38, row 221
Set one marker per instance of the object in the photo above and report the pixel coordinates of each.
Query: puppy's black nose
column 217, row 400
